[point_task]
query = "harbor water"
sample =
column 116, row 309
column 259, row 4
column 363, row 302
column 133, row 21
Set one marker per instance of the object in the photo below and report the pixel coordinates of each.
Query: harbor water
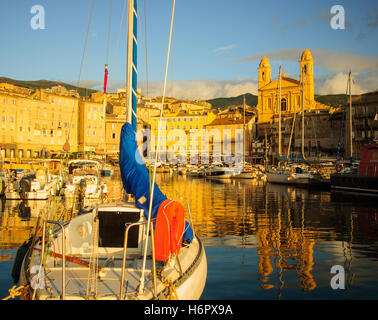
column 262, row 241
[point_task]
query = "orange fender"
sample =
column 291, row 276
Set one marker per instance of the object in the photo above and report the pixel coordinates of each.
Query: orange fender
column 169, row 229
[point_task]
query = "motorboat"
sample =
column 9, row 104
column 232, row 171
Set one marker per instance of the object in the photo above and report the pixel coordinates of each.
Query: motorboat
column 222, row 172
column 31, row 182
column 84, row 179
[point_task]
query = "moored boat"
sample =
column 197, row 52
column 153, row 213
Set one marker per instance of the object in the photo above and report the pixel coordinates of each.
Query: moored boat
column 84, row 178
column 365, row 178
column 95, row 243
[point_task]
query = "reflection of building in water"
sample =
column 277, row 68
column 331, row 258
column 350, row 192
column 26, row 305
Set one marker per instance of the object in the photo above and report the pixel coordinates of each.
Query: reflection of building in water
column 14, row 230
column 284, row 243
column 215, row 206
column 288, row 250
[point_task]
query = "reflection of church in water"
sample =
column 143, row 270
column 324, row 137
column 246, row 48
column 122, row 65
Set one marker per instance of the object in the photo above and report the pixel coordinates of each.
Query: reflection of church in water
column 284, row 244
column 286, row 249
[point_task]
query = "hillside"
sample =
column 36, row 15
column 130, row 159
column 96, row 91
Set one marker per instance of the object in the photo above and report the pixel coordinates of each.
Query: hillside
column 44, row 84
column 334, row 100
column 222, row 103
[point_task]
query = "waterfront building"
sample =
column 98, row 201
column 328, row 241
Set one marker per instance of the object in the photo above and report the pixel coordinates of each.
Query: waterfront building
column 36, row 124
column 181, row 136
column 231, row 131
column 364, row 121
column 91, row 127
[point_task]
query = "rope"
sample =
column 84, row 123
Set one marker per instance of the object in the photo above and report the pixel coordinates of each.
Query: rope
column 16, row 291
column 168, row 283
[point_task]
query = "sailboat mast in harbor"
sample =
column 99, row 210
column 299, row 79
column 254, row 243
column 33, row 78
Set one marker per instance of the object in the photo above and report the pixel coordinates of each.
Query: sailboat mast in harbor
column 279, row 118
column 350, row 117
column 303, row 124
column 131, row 79
column 243, row 131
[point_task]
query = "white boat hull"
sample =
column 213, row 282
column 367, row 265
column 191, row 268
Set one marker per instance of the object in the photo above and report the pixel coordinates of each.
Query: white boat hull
column 278, row 177
column 189, row 285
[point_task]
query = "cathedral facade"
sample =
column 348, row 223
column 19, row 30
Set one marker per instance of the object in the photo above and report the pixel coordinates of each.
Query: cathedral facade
column 291, row 91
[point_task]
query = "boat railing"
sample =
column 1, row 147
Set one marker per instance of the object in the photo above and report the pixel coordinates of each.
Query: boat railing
column 60, row 224
column 128, row 227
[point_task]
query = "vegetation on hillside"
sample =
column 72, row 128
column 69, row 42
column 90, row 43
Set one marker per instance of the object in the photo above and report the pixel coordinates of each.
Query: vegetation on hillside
column 44, row 84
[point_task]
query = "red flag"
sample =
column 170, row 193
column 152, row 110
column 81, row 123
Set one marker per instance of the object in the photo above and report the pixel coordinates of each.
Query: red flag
column 105, row 78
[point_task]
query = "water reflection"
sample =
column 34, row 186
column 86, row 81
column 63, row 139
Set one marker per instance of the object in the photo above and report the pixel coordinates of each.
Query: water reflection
column 284, row 225
column 284, row 239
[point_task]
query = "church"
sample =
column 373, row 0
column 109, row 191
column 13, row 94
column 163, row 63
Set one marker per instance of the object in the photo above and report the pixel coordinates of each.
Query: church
column 291, row 91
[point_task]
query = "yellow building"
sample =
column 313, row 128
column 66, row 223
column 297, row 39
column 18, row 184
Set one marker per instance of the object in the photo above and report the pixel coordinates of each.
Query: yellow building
column 115, row 119
column 37, row 124
column 91, row 127
column 291, row 91
column 181, row 133
column 227, row 133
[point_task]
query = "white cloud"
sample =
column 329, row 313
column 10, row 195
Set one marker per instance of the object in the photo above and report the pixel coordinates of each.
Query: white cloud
column 220, row 50
column 337, row 83
column 329, row 60
column 202, row 88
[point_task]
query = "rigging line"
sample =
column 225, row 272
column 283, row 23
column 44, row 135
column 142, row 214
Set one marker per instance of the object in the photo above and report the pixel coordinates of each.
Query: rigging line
column 86, row 38
column 144, row 45
column 90, row 11
column 156, row 153
column 110, row 19
column 118, row 38
column 145, row 40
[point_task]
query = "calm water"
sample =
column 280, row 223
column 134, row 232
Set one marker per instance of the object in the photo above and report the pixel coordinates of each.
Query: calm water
column 262, row 241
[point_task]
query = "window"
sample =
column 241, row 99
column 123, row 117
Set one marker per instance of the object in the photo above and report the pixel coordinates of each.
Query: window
column 283, row 104
column 114, row 135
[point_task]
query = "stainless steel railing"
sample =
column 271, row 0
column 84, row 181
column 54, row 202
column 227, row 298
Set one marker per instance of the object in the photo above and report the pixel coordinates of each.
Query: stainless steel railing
column 128, row 227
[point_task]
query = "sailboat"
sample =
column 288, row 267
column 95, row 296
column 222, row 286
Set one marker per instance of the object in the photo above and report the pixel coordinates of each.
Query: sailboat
column 245, row 173
column 294, row 173
column 251, row 172
column 282, row 175
column 120, row 250
column 365, row 178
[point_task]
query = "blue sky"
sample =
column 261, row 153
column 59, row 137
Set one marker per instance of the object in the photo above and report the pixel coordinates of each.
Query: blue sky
column 217, row 44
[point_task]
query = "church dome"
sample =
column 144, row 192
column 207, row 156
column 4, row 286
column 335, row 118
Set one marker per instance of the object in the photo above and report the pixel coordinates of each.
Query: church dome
column 306, row 55
column 264, row 63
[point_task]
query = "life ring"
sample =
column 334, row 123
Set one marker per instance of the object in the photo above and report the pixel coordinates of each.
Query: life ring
column 338, row 167
column 169, row 229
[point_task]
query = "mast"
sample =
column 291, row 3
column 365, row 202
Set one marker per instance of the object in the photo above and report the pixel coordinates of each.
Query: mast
column 303, row 154
column 243, row 131
column 279, row 119
column 131, row 79
column 104, row 114
column 350, row 117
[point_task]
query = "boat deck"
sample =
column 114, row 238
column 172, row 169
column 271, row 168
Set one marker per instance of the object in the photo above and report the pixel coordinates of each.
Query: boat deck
column 107, row 286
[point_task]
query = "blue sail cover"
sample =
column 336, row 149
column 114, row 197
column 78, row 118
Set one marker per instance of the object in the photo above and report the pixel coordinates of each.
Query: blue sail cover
column 136, row 179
